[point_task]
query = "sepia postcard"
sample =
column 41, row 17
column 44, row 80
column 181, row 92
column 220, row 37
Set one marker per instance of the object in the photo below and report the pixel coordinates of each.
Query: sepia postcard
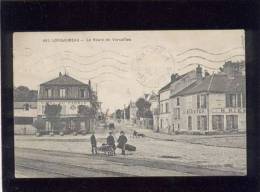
column 129, row 103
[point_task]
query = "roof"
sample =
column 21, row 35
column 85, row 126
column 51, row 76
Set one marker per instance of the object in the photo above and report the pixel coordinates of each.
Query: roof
column 216, row 83
column 167, row 86
column 64, row 80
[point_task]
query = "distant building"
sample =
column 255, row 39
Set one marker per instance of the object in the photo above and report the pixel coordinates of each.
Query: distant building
column 70, row 94
column 132, row 112
column 217, row 103
column 154, row 100
column 25, row 112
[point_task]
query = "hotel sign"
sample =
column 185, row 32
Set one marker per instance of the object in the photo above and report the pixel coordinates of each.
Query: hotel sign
column 229, row 110
column 194, row 111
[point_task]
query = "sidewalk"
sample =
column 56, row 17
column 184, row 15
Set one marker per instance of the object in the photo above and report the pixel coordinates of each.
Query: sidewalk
column 232, row 141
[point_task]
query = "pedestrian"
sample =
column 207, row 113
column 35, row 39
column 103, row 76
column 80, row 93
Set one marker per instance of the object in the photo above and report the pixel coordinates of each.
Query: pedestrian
column 135, row 134
column 93, row 144
column 111, row 142
column 122, row 140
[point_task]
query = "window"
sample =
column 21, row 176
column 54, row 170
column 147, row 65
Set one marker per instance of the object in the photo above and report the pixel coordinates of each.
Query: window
column 176, row 113
column 26, row 107
column 244, row 99
column 178, row 101
column 234, row 100
column 62, row 93
column 48, row 125
column 63, row 109
column 82, row 93
column 202, row 122
column 190, row 123
column 201, row 101
column 218, row 122
column 43, row 109
column 239, row 100
column 49, row 92
column 167, row 107
column 198, row 101
column 232, row 122
column 161, row 108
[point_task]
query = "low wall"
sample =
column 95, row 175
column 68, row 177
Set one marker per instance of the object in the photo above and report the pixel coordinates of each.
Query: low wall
column 24, row 129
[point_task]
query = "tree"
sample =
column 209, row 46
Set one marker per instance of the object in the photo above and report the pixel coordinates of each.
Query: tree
column 21, row 92
column 86, row 113
column 52, row 113
column 127, row 112
column 142, row 106
column 148, row 114
column 119, row 114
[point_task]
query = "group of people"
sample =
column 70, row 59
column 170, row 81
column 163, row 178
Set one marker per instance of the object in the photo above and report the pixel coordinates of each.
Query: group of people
column 122, row 140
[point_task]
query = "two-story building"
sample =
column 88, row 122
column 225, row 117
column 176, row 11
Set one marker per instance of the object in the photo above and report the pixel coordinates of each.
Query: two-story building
column 175, row 102
column 216, row 103
column 69, row 93
column 164, row 107
column 25, row 112
column 169, row 108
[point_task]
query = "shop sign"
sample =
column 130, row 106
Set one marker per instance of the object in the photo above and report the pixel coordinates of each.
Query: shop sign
column 194, row 111
column 229, row 110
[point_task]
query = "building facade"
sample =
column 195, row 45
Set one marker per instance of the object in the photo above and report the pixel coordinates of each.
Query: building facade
column 217, row 103
column 175, row 102
column 164, row 109
column 132, row 112
column 69, row 93
column 25, row 113
column 154, row 100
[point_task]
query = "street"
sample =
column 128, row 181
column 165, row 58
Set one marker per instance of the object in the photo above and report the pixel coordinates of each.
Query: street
column 70, row 156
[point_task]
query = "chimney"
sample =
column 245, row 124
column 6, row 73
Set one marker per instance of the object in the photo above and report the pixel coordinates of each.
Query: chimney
column 89, row 84
column 199, row 72
column 60, row 74
column 173, row 77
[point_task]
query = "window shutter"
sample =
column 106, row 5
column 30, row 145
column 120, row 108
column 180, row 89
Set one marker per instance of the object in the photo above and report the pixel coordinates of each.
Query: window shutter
column 227, row 100
column 198, row 101
column 239, row 100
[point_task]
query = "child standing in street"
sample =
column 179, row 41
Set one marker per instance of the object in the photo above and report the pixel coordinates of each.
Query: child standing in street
column 122, row 140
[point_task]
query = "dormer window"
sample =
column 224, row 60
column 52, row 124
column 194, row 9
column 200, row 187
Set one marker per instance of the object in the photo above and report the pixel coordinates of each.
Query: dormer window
column 62, row 93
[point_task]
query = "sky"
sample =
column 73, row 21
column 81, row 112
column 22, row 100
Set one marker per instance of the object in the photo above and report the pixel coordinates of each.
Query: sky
column 122, row 65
